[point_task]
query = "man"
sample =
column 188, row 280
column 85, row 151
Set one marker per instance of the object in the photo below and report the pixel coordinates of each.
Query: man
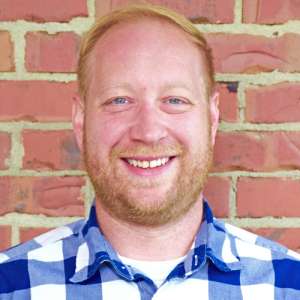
column 146, row 121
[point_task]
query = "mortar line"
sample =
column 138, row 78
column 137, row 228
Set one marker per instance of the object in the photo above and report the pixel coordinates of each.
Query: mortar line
column 267, row 222
column 35, row 221
column 271, row 127
column 41, row 173
column 15, row 235
column 238, row 11
column 18, row 37
column 82, row 24
column 42, row 126
column 241, row 101
column 91, row 4
column 294, row 174
column 17, row 152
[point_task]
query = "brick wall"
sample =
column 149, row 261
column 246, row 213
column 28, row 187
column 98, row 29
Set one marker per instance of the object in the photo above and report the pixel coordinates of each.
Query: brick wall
column 255, row 182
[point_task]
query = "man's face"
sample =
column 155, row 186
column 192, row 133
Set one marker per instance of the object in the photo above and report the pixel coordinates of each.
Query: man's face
column 148, row 125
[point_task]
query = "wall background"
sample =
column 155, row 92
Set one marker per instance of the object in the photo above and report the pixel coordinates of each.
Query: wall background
column 255, row 183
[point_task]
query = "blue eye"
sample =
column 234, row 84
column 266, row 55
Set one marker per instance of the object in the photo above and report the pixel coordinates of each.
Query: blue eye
column 119, row 100
column 175, row 101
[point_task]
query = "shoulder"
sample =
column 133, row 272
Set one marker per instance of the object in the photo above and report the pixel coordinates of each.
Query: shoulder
column 42, row 243
column 44, row 256
column 263, row 261
column 250, row 244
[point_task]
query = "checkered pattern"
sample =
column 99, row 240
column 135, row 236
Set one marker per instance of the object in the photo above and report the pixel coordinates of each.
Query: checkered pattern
column 76, row 262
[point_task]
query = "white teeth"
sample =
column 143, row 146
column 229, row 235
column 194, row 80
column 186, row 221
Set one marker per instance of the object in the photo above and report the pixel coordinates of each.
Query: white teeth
column 145, row 164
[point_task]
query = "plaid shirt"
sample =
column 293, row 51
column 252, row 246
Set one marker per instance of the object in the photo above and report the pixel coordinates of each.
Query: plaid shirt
column 76, row 262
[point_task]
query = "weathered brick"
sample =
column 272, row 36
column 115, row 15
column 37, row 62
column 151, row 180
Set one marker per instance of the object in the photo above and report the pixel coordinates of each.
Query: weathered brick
column 284, row 236
column 5, row 234
column 228, row 101
column 7, row 52
column 51, row 196
column 51, row 52
column 5, row 145
column 50, row 150
column 238, row 151
column 5, row 205
column 216, row 192
column 28, row 233
column 260, row 197
column 244, row 53
column 212, row 11
column 265, row 12
column 257, row 151
column 42, row 11
column 36, row 101
column 277, row 103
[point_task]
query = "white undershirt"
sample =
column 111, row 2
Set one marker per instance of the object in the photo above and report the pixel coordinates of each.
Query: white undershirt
column 155, row 270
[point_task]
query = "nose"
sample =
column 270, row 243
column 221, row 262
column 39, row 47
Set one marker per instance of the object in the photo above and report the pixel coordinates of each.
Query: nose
column 148, row 127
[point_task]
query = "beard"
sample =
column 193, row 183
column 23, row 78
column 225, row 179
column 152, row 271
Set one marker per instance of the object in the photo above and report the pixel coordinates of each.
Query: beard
column 124, row 199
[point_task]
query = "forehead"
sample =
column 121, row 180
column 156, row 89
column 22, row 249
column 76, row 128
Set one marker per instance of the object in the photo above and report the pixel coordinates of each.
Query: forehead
column 149, row 44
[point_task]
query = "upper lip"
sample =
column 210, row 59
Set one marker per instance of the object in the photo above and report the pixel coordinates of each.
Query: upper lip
column 148, row 158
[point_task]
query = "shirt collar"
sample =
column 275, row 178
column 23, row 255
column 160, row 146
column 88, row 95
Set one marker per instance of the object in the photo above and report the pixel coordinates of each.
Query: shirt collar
column 212, row 242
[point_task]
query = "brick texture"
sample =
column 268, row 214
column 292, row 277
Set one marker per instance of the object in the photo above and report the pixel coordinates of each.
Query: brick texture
column 7, row 52
column 260, row 197
column 257, row 151
column 34, row 108
column 217, row 192
column 244, row 53
column 50, row 150
column 266, row 12
column 211, row 11
column 5, row 234
column 4, row 150
column 273, row 104
column 42, row 11
column 228, row 101
column 36, row 101
column 51, row 196
column 28, row 233
column 51, row 52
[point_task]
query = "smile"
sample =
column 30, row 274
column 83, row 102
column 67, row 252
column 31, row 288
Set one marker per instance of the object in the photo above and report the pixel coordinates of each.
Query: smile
column 146, row 164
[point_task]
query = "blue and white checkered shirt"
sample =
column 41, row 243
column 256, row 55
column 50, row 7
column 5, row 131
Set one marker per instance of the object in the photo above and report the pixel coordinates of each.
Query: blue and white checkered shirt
column 76, row 262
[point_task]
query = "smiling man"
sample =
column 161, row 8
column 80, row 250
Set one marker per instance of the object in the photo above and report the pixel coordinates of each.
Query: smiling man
column 145, row 120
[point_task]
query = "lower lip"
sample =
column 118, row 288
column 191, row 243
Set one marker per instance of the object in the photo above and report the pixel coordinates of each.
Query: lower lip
column 149, row 171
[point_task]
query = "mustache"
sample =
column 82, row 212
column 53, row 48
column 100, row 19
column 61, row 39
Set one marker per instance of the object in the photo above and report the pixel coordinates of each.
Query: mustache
column 152, row 150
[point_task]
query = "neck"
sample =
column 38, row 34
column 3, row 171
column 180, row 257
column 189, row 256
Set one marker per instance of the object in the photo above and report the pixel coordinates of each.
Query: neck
column 151, row 243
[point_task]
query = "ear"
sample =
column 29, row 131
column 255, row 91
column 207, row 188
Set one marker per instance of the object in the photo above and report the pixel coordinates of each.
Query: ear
column 214, row 115
column 78, row 120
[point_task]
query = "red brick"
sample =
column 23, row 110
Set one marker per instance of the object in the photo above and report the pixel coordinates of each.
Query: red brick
column 42, row 11
column 266, row 12
column 273, row 104
column 5, row 234
column 288, row 237
column 257, row 151
column 36, row 101
column 228, row 101
column 51, row 196
column 4, row 149
column 260, row 197
column 243, row 53
column 51, row 52
column 212, row 11
column 238, row 151
column 28, row 233
column 5, row 205
column 7, row 52
column 216, row 192
column 50, row 150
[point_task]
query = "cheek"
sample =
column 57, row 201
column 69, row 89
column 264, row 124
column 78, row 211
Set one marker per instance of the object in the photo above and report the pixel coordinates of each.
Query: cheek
column 103, row 133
